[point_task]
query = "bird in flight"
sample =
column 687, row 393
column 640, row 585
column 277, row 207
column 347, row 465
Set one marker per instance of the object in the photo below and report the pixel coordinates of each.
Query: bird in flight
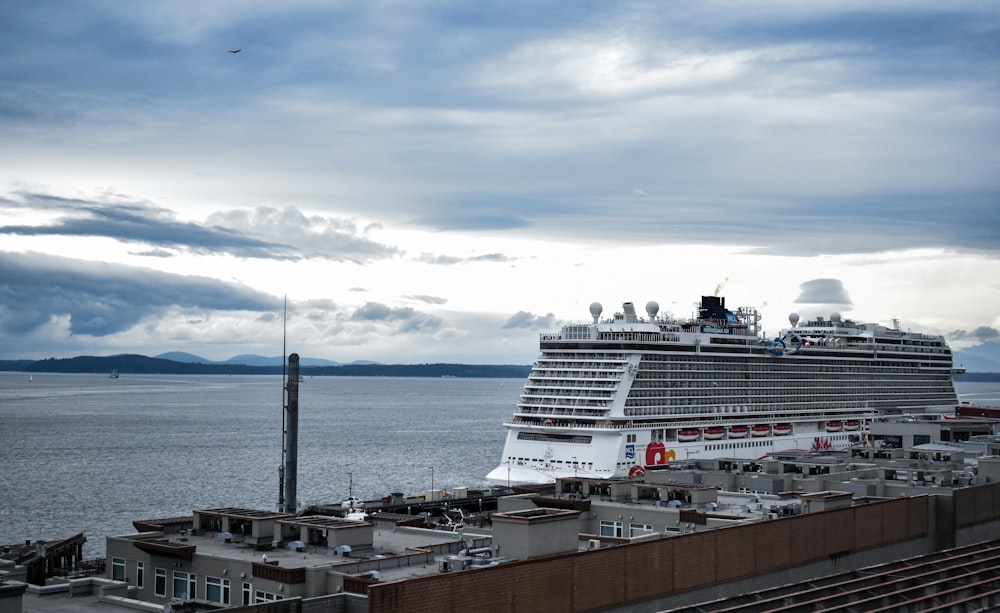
column 235, row 50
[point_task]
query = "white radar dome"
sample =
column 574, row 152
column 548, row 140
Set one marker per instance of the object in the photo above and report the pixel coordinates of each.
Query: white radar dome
column 793, row 319
column 652, row 308
column 835, row 317
column 595, row 310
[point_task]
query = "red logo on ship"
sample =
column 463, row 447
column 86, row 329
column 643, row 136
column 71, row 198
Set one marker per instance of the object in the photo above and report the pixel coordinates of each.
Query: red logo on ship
column 656, row 454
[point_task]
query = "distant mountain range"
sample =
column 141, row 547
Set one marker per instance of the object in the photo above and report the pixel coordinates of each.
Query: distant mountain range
column 981, row 362
column 192, row 365
column 981, row 358
column 249, row 359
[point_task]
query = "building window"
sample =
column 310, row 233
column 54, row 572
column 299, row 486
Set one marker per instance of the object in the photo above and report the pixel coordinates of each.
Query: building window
column 160, row 588
column 217, row 590
column 635, row 530
column 118, row 569
column 262, row 596
column 184, row 585
column 247, row 593
column 611, row 528
column 140, row 574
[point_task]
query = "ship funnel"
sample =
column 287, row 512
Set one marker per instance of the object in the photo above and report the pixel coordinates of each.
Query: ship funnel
column 291, row 432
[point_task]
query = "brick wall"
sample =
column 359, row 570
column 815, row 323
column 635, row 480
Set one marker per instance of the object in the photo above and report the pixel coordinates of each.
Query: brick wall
column 599, row 579
column 977, row 504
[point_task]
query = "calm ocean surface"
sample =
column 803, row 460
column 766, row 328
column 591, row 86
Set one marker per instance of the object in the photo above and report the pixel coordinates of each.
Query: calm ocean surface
column 86, row 453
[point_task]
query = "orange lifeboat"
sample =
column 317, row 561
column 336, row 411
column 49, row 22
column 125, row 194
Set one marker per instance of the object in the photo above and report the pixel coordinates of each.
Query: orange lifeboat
column 738, row 431
column 687, row 435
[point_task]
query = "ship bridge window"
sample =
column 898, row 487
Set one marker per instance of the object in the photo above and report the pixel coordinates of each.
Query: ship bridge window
column 576, row 332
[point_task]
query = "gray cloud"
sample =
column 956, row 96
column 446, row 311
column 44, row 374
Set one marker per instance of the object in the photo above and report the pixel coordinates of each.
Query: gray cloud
column 427, row 299
column 101, row 299
column 317, row 236
column 135, row 222
column 263, row 232
column 552, row 124
column 982, row 334
column 823, row 291
column 524, row 319
column 448, row 260
column 401, row 319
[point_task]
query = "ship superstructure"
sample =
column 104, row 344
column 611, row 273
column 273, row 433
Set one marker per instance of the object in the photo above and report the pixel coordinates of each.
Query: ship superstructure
column 616, row 396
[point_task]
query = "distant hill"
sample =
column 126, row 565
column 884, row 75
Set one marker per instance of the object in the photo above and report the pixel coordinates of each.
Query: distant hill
column 248, row 359
column 181, row 356
column 259, row 360
column 140, row 364
column 981, row 358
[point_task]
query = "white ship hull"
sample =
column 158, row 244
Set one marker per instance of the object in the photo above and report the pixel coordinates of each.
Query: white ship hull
column 613, row 398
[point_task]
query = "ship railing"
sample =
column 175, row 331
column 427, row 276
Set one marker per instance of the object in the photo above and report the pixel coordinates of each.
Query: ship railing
column 562, row 422
column 746, row 412
column 536, row 405
column 534, row 417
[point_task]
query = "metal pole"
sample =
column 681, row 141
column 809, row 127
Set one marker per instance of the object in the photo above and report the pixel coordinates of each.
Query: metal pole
column 284, row 407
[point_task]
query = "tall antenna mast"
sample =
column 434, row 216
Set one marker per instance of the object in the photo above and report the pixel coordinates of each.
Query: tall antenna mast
column 284, row 407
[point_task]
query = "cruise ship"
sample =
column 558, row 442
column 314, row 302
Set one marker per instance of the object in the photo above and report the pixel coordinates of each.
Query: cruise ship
column 619, row 395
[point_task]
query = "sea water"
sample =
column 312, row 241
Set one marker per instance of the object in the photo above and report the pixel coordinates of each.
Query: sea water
column 87, row 453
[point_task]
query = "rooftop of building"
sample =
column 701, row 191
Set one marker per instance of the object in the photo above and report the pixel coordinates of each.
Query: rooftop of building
column 389, row 538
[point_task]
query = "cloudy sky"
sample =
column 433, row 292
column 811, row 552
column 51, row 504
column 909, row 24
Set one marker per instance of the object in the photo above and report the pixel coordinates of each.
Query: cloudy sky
column 441, row 181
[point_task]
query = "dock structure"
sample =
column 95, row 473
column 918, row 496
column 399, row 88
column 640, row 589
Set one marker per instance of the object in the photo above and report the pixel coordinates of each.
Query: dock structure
column 43, row 560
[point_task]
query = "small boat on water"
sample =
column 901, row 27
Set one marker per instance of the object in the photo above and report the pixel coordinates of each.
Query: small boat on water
column 114, row 374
